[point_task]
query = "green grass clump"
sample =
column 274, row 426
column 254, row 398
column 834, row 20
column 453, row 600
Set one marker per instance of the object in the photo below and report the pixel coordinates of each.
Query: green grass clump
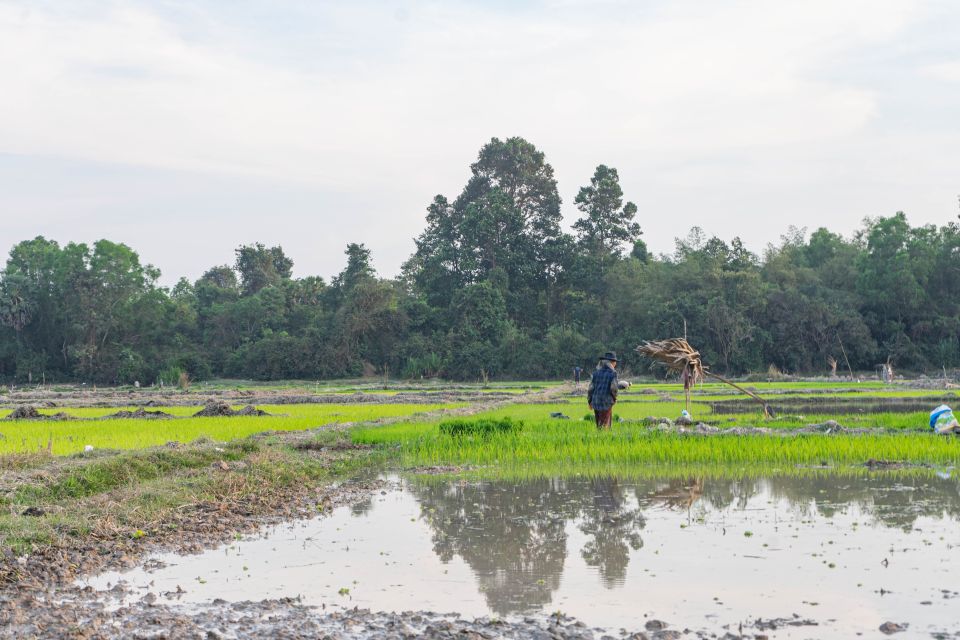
column 484, row 427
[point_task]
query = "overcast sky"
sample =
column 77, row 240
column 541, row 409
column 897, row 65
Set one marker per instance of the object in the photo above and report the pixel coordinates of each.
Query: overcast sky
column 186, row 128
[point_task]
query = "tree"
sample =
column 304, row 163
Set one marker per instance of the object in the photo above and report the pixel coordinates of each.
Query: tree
column 358, row 268
column 506, row 220
column 607, row 223
column 260, row 267
column 17, row 306
column 640, row 251
column 478, row 329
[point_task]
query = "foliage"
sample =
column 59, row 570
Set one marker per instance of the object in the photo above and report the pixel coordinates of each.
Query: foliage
column 495, row 288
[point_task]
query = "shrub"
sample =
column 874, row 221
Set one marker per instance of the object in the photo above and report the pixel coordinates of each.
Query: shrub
column 483, row 427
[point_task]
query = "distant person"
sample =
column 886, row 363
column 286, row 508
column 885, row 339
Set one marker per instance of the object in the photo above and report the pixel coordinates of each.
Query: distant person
column 576, row 376
column 602, row 393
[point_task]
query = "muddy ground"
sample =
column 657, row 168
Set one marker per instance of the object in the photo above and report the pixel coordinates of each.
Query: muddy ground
column 81, row 614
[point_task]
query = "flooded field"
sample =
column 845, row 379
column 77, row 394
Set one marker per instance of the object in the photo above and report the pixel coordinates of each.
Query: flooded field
column 809, row 555
column 838, row 405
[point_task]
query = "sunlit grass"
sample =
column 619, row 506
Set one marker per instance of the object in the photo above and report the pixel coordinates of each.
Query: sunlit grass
column 571, row 444
column 66, row 437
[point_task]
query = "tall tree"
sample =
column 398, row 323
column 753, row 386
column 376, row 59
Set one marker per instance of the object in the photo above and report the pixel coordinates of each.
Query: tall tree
column 260, row 267
column 607, row 223
column 358, row 268
column 505, row 222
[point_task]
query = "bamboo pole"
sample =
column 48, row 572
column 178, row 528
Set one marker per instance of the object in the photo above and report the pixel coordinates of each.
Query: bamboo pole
column 678, row 356
column 768, row 412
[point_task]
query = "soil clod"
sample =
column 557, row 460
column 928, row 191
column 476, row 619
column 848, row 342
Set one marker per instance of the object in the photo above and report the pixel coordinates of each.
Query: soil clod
column 890, row 628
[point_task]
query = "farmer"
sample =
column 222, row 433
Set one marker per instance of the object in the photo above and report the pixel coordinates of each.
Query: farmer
column 602, row 393
column 576, row 375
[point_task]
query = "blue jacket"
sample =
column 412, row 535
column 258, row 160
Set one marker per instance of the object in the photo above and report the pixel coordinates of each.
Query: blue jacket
column 602, row 393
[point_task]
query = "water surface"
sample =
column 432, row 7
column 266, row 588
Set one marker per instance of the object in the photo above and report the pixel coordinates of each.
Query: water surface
column 848, row 552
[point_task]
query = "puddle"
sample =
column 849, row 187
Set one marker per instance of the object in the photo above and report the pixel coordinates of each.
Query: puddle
column 847, row 552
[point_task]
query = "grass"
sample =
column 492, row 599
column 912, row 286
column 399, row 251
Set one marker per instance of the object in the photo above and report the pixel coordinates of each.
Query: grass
column 569, row 445
column 143, row 494
column 67, row 437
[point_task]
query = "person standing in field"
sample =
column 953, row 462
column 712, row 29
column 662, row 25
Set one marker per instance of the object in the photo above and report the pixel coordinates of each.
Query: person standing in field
column 576, row 375
column 602, row 393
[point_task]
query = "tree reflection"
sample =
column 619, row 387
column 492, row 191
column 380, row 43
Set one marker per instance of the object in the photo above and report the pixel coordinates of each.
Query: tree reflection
column 614, row 528
column 513, row 535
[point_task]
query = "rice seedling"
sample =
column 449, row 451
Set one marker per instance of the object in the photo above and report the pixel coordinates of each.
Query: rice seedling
column 569, row 444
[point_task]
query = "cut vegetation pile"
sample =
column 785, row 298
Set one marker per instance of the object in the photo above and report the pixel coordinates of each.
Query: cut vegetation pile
column 28, row 412
column 222, row 409
column 140, row 414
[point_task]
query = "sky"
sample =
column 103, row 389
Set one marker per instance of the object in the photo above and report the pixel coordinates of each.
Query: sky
column 186, row 128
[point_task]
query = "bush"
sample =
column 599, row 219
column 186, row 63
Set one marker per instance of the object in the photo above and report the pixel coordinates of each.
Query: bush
column 170, row 376
column 483, row 427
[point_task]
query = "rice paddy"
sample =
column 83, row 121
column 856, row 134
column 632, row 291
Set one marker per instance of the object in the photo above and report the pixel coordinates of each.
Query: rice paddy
column 575, row 446
column 559, row 438
column 67, row 437
column 566, row 440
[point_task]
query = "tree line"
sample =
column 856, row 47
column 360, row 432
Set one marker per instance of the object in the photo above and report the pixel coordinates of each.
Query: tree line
column 494, row 289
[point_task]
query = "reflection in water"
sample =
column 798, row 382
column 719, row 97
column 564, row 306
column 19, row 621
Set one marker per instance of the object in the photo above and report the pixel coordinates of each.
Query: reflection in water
column 612, row 527
column 890, row 501
column 610, row 551
column 514, row 536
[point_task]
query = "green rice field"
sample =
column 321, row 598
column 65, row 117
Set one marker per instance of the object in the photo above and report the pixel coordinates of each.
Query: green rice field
column 571, row 444
column 576, row 446
column 67, row 437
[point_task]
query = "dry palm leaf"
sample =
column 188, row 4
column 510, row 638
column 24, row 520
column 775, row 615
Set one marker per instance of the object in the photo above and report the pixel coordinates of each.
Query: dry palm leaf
column 678, row 356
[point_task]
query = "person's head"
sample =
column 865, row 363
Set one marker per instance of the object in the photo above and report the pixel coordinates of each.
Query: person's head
column 609, row 359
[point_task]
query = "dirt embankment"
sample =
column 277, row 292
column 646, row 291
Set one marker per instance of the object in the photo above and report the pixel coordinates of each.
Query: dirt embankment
column 235, row 493
column 119, row 397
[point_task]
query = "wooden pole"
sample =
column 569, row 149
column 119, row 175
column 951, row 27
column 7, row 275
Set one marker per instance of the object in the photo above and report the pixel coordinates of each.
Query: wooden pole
column 767, row 411
column 844, row 352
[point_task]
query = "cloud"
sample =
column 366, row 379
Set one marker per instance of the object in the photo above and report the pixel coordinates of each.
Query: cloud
column 945, row 71
column 126, row 85
column 743, row 101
